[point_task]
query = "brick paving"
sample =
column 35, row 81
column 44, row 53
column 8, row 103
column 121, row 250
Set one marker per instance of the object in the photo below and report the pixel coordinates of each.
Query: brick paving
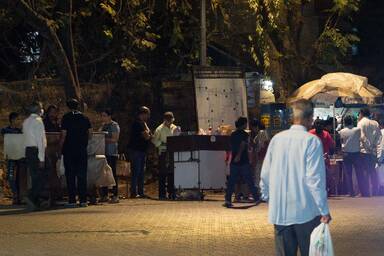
column 150, row 227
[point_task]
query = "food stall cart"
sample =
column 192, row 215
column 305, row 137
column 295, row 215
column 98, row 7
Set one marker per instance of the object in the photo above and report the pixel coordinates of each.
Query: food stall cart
column 199, row 161
column 198, row 155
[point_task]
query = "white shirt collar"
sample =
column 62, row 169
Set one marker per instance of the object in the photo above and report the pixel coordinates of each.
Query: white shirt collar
column 298, row 127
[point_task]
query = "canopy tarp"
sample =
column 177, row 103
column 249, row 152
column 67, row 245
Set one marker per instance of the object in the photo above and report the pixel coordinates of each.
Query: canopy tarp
column 351, row 88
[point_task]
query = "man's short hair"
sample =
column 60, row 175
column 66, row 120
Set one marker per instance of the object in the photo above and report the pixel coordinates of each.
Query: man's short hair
column 241, row 121
column 168, row 116
column 50, row 107
column 144, row 110
column 12, row 116
column 302, row 109
column 348, row 120
column 107, row 111
column 73, row 104
column 35, row 107
column 256, row 123
column 365, row 112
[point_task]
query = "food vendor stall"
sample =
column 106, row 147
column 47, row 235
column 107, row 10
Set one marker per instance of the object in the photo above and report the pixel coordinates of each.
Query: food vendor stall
column 198, row 156
column 336, row 95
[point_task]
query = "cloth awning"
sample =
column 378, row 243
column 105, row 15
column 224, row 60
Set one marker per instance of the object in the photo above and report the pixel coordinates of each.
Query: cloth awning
column 350, row 87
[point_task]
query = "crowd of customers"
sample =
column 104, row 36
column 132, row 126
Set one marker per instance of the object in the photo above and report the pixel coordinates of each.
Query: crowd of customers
column 75, row 131
column 360, row 145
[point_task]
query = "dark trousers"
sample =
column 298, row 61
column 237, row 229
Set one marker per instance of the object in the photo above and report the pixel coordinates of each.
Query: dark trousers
column 76, row 170
column 368, row 162
column 112, row 160
column 12, row 177
column 138, row 165
column 245, row 172
column 353, row 161
column 166, row 177
column 288, row 239
column 37, row 178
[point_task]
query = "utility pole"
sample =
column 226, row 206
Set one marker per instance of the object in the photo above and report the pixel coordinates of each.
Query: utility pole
column 203, row 43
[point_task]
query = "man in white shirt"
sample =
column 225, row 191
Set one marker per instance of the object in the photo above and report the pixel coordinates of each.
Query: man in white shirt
column 293, row 183
column 166, row 175
column 35, row 144
column 369, row 145
column 350, row 145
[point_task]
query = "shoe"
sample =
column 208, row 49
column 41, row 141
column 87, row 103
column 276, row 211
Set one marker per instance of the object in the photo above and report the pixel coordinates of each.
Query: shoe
column 114, row 200
column 228, row 205
column 142, row 196
column 15, row 201
column 172, row 197
column 70, row 205
column 93, row 200
column 83, row 205
column 162, row 198
column 45, row 205
column 237, row 200
column 103, row 199
column 31, row 206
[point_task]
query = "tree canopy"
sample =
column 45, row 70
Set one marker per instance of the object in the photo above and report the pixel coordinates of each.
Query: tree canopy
column 118, row 40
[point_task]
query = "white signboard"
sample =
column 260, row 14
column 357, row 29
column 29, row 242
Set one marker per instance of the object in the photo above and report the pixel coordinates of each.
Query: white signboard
column 221, row 96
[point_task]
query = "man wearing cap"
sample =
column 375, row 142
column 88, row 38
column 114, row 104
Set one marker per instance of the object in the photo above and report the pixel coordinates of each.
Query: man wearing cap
column 166, row 178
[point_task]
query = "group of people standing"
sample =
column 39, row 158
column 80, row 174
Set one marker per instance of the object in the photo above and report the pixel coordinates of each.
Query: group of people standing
column 75, row 130
column 361, row 149
column 140, row 139
column 294, row 171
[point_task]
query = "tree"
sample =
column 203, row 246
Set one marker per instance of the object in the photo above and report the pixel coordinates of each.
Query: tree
column 280, row 28
column 41, row 16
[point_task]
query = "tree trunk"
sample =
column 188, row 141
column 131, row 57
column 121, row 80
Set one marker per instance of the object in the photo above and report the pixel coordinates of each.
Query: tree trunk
column 47, row 30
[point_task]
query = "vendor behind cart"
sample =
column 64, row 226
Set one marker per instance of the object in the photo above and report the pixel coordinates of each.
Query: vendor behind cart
column 166, row 176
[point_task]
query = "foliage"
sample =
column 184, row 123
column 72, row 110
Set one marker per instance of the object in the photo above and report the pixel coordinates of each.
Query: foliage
column 142, row 39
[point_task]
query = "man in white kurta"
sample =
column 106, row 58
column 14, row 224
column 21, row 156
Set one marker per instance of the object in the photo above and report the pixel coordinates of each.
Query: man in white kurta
column 293, row 183
column 35, row 143
column 369, row 145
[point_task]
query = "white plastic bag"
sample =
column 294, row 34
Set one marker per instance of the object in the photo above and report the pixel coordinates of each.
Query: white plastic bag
column 60, row 167
column 321, row 241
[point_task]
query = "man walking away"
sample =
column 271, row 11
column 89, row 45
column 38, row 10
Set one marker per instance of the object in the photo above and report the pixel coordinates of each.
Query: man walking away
column 138, row 146
column 75, row 133
column 369, row 145
column 35, row 144
column 293, row 183
column 166, row 179
column 350, row 145
column 240, row 165
column 12, row 164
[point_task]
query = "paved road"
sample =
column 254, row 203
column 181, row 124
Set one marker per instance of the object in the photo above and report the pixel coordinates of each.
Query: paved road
column 149, row 227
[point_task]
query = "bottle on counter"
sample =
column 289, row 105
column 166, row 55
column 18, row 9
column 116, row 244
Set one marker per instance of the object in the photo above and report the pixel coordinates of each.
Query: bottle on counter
column 210, row 130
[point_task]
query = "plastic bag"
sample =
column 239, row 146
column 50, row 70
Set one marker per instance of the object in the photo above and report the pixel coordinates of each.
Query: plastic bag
column 321, row 241
column 60, row 167
column 123, row 167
